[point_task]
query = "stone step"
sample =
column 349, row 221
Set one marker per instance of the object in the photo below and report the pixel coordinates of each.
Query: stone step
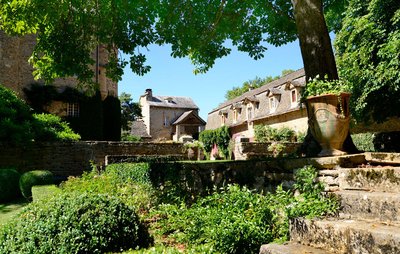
column 380, row 206
column 346, row 236
column 290, row 248
column 385, row 179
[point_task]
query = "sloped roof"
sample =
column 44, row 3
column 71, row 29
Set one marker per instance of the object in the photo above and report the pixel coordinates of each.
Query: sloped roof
column 291, row 77
column 188, row 114
column 172, row 102
column 138, row 128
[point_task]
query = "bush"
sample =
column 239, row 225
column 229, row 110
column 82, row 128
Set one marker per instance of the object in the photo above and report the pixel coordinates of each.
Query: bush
column 265, row 133
column 220, row 137
column 364, row 141
column 128, row 137
column 128, row 182
column 15, row 119
column 32, row 178
column 9, row 179
column 74, row 223
column 51, row 128
column 112, row 118
column 234, row 220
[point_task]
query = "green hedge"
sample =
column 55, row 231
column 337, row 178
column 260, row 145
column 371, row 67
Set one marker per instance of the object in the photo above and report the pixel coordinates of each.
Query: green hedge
column 74, row 223
column 265, row 133
column 9, row 190
column 32, row 178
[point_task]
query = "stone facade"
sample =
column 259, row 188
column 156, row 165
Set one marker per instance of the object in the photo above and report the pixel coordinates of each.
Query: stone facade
column 16, row 72
column 170, row 117
column 276, row 104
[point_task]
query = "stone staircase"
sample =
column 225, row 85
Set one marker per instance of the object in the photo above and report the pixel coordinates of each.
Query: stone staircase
column 369, row 216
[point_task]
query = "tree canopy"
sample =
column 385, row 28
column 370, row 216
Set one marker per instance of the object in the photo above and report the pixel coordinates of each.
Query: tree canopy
column 68, row 31
column 130, row 110
column 368, row 56
column 252, row 84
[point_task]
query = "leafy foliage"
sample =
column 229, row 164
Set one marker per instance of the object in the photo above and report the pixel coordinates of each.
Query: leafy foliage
column 51, row 128
column 265, row 133
column 128, row 182
column 364, row 141
column 32, row 178
column 318, row 86
column 219, row 136
column 197, row 29
column 233, row 220
column 9, row 179
column 19, row 126
column 130, row 111
column 236, row 220
column 73, row 223
column 252, row 84
column 368, row 57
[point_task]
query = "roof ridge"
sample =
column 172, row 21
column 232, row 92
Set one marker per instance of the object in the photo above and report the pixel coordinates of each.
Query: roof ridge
column 277, row 82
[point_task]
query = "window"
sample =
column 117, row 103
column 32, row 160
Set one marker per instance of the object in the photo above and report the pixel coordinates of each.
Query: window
column 249, row 113
column 224, row 116
column 294, row 96
column 273, row 104
column 165, row 120
column 73, row 109
column 235, row 115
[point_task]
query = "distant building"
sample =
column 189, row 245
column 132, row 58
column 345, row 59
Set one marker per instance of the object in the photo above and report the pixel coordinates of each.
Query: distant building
column 276, row 104
column 169, row 117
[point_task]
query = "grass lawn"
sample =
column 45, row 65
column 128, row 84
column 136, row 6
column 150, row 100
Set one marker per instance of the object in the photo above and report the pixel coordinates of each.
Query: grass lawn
column 8, row 210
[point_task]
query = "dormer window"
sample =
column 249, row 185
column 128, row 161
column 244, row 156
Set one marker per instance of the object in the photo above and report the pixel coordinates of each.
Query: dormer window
column 273, row 104
column 293, row 98
column 224, row 116
column 168, row 100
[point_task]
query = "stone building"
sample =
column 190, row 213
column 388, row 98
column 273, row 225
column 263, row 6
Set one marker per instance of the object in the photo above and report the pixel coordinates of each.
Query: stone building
column 16, row 74
column 276, row 104
column 170, row 117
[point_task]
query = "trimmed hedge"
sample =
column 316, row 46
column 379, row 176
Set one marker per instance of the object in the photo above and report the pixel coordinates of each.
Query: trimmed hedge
column 32, row 178
column 74, row 223
column 9, row 179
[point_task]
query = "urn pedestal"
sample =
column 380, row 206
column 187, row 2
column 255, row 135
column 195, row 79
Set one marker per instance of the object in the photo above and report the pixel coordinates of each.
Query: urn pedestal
column 329, row 121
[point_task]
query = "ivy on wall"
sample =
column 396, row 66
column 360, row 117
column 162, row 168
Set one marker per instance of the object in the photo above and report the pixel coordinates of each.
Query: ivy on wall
column 97, row 120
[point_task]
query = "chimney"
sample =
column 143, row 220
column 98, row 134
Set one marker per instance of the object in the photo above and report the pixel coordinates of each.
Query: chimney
column 149, row 94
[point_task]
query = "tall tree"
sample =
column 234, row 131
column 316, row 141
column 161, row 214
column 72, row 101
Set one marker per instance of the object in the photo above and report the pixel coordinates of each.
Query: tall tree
column 68, row 31
column 368, row 53
column 130, row 110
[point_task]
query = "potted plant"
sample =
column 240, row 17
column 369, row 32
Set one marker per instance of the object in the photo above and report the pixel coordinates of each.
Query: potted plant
column 328, row 113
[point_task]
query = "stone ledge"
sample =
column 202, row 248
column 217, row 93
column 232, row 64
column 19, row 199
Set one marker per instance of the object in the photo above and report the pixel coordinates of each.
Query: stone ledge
column 290, row 248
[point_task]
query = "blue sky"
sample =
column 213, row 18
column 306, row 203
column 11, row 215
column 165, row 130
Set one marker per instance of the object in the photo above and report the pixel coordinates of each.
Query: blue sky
column 174, row 76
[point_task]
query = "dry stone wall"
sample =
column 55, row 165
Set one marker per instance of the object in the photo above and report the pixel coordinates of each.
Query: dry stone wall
column 72, row 158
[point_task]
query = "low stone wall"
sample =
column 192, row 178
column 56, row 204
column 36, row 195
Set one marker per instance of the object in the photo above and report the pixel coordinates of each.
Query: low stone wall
column 202, row 177
column 72, row 158
column 256, row 150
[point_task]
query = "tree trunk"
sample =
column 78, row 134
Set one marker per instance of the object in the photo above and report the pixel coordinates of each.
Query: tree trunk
column 318, row 57
column 315, row 43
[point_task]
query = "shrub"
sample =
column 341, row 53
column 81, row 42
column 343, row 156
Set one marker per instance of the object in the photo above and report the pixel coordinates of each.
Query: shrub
column 32, row 178
column 234, row 220
column 9, row 179
column 220, row 137
column 128, row 182
column 131, row 138
column 112, row 118
column 364, row 141
column 15, row 119
column 74, row 223
column 51, row 128
column 265, row 133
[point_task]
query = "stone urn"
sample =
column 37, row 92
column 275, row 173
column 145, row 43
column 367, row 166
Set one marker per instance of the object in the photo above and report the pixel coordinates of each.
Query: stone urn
column 329, row 121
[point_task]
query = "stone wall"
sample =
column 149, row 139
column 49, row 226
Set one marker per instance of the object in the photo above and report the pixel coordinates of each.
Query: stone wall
column 256, row 150
column 201, row 178
column 65, row 159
